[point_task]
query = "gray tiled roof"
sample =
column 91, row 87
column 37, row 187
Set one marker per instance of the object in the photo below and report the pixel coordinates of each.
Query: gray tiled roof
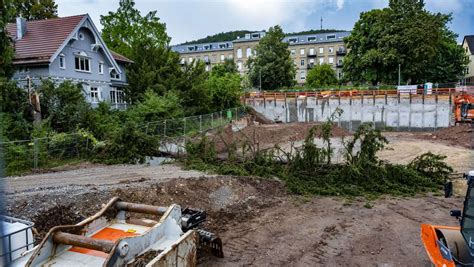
column 201, row 47
column 470, row 42
column 295, row 40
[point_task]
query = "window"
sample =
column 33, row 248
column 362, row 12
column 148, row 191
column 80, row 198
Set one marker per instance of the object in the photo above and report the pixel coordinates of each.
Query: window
column 116, row 96
column 114, row 75
column 302, row 51
column 101, row 67
column 190, row 60
column 239, row 53
column 302, row 62
column 83, row 64
column 62, row 61
column 183, row 60
column 206, row 59
column 293, row 52
column 222, row 58
column 81, row 36
column 303, row 75
column 321, row 50
column 330, row 37
column 239, row 65
column 208, row 68
column 311, row 51
column 331, row 49
column 311, row 39
column 230, row 56
column 94, row 94
column 339, row 62
column 339, row 75
column 248, row 53
column 331, row 60
column 321, row 60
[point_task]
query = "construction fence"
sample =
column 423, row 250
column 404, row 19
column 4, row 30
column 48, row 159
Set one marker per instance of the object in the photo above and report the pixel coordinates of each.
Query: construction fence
column 22, row 156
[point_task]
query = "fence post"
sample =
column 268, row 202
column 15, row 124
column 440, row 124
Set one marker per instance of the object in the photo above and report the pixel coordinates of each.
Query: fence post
column 164, row 128
column 184, row 126
column 200, row 123
column 35, row 154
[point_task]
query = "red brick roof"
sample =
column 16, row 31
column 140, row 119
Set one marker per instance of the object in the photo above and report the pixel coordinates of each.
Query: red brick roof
column 42, row 39
column 120, row 58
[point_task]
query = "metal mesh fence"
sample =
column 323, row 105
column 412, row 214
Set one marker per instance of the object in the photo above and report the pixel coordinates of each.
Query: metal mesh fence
column 42, row 153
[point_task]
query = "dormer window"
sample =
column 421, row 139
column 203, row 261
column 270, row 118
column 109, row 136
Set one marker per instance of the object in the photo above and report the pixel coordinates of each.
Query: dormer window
column 114, row 75
column 62, row 61
column 330, row 37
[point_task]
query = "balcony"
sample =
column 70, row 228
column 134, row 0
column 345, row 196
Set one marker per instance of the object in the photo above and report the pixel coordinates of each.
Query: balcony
column 310, row 66
column 207, row 61
column 341, row 52
column 311, row 54
column 339, row 65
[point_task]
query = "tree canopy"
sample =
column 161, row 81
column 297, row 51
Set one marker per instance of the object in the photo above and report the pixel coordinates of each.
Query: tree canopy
column 6, row 49
column 272, row 63
column 36, row 9
column 321, row 75
column 405, row 33
column 126, row 29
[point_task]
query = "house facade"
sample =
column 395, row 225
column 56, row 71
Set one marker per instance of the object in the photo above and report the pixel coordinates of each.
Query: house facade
column 68, row 49
column 305, row 50
column 468, row 46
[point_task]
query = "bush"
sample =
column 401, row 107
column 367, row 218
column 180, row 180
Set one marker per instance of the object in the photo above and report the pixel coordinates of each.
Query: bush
column 432, row 166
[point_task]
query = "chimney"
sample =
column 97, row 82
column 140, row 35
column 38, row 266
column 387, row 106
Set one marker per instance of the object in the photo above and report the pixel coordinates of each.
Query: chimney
column 20, row 27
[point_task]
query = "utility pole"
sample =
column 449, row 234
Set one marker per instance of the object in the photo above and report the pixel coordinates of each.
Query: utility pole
column 399, row 68
column 321, row 22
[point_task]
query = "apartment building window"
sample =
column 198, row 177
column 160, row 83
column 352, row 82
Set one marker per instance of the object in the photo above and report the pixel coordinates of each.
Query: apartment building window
column 321, row 50
column 331, row 49
column 311, row 51
column 94, row 95
column 101, row 67
column 303, row 75
column 302, row 62
column 341, row 48
column 183, row 60
column 321, row 61
column 206, row 59
column 311, row 61
column 339, row 62
column 62, row 61
column 190, row 60
column 293, row 52
column 230, row 56
column 83, row 64
column 239, row 65
column 208, row 68
column 248, row 53
column 330, row 37
column 331, row 60
column 239, row 53
column 302, row 51
column 222, row 58
column 339, row 75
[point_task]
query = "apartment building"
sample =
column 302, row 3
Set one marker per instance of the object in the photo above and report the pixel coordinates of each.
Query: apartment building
column 468, row 45
column 306, row 52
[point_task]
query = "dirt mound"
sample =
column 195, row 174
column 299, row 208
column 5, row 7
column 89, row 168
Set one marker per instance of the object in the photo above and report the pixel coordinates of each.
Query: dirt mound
column 45, row 219
column 268, row 135
column 461, row 135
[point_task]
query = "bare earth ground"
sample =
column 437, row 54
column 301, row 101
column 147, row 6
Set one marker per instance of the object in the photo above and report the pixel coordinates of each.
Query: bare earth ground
column 258, row 221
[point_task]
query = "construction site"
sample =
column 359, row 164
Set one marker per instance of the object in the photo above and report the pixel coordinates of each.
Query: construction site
column 257, row 220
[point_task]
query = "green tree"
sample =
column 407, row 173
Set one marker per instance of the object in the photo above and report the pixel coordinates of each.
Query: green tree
column 403, row 34
column 273, row 63
column 6, row 49
column 63, row 106
column 228, row 66
column 14, row 111
column 126, row 29
column 195, row 94
column 321, row 75
column 36, row 9
column 155, row 107
column 225, row 88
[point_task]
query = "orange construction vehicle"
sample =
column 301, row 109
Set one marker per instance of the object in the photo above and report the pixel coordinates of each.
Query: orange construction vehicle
column 453, row 246
column 464, row 108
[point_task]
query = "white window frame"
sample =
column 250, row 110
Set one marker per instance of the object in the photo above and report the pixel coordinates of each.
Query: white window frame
column 302, row 51
column 321, row 60
column 321, row 50
column 293, row 52
column 302, row 62
column 115, row 77
column 248, row 52
column 116, row 95
column 303, row 75
column 240, row 65
column 331, row 50
column 239, row 53
column 311, row 51
column 101, row 67
column 62, row 61
column 222, row 57
column 86, row 60
column 331, row 60
column 94, row 94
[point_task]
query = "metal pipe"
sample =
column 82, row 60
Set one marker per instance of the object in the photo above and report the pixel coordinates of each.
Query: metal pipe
column 83, row 242
column 140, row 208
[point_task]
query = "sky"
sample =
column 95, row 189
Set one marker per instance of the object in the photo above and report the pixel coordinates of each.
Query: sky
column 188, row 20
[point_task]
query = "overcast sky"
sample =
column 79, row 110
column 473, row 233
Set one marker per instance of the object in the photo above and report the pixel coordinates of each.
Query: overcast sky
column 188, row 20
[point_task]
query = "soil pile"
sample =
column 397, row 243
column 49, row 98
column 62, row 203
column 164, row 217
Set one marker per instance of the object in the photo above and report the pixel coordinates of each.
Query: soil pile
column 461, row 135
column 266, row 136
